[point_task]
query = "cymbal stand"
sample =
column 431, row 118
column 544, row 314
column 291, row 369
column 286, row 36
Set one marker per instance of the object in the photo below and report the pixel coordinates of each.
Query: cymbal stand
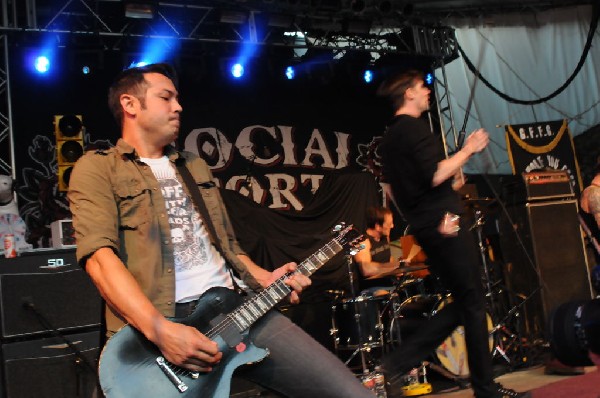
column 498, row 341
column 362, row 347
column 478, row 226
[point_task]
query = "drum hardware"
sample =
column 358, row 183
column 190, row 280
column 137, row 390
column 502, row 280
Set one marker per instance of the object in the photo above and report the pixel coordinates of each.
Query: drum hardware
column 415, row 382
column 490, row 293
column 509, row 346
column 401, row 270
column 362, row 346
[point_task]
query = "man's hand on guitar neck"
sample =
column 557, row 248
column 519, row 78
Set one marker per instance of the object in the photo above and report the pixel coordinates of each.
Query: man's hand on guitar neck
column 186, row 347
column 297, row 282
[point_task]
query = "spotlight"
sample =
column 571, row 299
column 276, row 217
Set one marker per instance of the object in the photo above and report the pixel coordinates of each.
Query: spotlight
column 137, row 64
column 138, row 9
column 429, row 79
column 42, row 64
column 85, row 70
column 290, row 72
column 368, row 76
column 237, row 70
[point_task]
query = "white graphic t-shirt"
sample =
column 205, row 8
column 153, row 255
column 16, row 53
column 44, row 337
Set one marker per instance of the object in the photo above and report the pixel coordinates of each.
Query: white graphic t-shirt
column 198, row 265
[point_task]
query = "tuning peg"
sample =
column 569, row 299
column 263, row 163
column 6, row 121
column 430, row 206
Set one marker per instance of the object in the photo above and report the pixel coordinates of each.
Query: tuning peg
column 339, row 227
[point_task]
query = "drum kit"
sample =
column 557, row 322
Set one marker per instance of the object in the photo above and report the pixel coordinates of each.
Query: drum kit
column 371, row 325
column 368, row 326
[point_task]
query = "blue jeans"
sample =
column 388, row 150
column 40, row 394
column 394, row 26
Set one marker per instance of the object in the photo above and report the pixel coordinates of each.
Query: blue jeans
column 297, row 365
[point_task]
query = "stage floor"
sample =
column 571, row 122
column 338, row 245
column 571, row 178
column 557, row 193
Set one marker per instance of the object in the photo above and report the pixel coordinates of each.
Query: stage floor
column 531, row 379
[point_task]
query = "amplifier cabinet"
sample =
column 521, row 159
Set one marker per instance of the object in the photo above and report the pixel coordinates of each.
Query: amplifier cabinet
column 44, row 290
column 552, row 239
column 51, row 368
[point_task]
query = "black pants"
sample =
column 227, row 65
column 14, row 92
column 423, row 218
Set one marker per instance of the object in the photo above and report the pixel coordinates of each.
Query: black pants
column 455, row 261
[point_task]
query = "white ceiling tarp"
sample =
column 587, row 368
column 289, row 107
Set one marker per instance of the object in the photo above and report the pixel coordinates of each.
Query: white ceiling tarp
column 526, row 60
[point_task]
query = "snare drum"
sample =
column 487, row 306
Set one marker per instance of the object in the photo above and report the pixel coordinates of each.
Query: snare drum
column 452, row 353
column 362, row 312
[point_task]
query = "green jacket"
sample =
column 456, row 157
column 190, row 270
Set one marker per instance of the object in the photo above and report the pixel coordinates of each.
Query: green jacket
column 116, row 202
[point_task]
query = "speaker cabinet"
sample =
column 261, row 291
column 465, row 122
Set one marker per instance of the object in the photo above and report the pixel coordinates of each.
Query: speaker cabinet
column 550, row 267
column 46, row 290
column 50, row 368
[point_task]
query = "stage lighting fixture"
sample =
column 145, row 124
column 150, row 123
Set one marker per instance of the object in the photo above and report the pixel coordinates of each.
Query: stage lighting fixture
column 233, row 17
column 358, row 5
column 385, row 7
column 281, row 20
column 140, row 9
column 42, row 64
column 86, row 70
column 139, row 64
column 360, row 27
column 237, row 70
column 290, row 72
column 368, row 76
column 429, row 78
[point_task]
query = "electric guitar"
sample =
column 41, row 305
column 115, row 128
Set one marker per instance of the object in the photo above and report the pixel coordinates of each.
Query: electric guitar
column 131, row 366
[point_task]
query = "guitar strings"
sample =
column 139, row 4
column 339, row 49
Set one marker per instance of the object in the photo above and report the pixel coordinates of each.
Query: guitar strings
column 279, row 283
column 265, row 296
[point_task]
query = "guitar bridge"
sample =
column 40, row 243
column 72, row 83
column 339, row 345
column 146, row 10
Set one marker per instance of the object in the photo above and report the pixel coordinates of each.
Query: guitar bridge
column 163, row 364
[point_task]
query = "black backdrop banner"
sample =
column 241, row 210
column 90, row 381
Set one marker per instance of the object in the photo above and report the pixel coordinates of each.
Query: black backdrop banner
column 272, row 140
column 275, row 237
column 542, row 146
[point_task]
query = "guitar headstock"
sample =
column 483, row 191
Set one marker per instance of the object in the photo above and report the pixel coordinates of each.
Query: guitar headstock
column 348, row 237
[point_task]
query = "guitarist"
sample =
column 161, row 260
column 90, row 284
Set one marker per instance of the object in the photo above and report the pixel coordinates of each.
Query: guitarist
column 152, row 254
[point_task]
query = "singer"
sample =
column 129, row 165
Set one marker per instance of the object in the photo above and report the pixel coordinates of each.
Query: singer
column 421, row 181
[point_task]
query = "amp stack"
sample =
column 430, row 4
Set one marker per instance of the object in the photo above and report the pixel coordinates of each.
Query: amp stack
column 543, row 247
column 50, row 326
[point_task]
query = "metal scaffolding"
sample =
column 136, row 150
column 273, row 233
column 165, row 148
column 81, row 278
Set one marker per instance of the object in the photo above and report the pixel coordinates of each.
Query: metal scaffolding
column 103, row 25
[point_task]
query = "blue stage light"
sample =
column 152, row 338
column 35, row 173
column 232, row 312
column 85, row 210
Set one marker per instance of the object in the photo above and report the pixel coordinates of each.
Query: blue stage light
column 237, row 70
column 139, row 64
column 86, row 70
column 368, row 76
column 42, row 64
column 429, row 78
column 290, row 72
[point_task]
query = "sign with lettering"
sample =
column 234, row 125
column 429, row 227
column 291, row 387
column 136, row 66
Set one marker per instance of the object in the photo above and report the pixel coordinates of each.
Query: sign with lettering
column 543, row 146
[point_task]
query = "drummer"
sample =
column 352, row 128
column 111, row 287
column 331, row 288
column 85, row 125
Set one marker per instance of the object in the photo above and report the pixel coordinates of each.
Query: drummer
column 376, row 257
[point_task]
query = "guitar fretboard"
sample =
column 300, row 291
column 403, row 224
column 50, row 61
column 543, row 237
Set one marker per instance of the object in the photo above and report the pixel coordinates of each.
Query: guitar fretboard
column 248, row 313
column 245, row 315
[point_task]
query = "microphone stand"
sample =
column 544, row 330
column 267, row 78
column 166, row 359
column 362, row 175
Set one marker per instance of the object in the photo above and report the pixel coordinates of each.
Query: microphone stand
column 82, row 362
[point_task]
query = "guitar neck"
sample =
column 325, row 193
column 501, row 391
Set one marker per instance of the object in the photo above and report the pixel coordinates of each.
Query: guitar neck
column 249, row 312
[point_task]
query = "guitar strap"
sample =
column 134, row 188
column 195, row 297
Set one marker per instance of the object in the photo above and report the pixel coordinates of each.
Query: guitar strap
column 198, row 201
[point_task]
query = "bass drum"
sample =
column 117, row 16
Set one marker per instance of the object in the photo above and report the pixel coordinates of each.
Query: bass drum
column 452, row 353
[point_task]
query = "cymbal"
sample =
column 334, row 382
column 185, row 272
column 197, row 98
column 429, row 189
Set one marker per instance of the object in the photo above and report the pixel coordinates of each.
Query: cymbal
column 478, row 202
column 401, row 270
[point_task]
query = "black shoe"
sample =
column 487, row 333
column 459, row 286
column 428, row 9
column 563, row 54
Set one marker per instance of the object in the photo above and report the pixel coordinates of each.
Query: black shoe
column 502, row 392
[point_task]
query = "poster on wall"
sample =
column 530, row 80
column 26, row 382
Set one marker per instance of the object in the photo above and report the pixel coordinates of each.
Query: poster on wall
column 543, row 146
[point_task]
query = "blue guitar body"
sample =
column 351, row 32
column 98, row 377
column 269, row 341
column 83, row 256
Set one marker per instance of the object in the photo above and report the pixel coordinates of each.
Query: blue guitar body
column 129, row 368
column 132, row 367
